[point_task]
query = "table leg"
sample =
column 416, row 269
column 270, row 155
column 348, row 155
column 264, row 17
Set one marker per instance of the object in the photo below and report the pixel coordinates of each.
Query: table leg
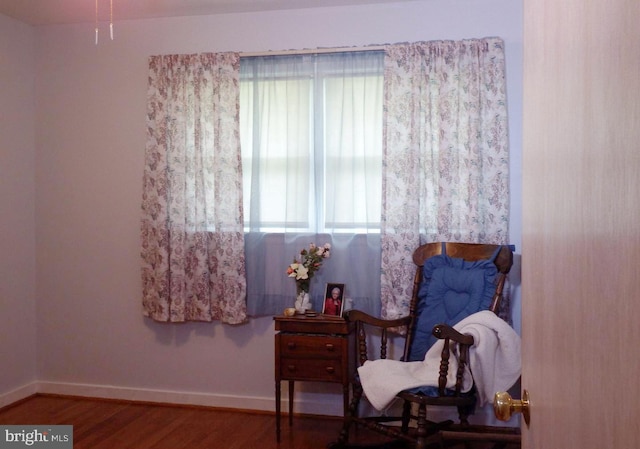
column 345, row 400
column 278, row 387
column 291, row 403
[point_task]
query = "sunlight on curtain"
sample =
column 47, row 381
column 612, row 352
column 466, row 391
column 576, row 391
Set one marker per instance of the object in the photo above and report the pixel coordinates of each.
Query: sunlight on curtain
column 446, row 155
column 192, row 232
column 311, row 128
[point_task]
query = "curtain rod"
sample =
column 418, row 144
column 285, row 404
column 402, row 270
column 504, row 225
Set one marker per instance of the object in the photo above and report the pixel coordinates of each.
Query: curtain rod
column 311, row 51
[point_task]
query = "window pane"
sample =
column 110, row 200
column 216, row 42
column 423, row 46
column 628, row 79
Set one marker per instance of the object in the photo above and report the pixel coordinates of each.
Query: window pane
column 277, row 154
column 353, row 152
column 311, row 132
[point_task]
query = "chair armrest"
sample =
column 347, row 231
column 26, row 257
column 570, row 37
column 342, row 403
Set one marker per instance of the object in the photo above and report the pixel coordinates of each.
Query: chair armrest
column 358, row 315
column 443, row 331
column 363, row 321
column 464, row 342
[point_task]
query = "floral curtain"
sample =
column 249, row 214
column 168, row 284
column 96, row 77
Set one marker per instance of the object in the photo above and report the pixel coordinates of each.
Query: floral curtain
column 193, row 266
column 446, row 167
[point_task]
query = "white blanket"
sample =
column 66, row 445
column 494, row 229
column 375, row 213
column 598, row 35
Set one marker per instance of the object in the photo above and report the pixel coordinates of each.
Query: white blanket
column 494, row 364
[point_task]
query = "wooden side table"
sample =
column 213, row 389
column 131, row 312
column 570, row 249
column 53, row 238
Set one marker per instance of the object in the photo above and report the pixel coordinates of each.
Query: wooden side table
column 314, row 349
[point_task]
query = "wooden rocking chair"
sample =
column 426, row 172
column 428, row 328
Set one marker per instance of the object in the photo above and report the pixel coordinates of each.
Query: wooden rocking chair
column 471, row 261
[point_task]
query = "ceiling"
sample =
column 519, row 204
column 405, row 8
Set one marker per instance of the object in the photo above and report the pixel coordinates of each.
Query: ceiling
column 43, row 12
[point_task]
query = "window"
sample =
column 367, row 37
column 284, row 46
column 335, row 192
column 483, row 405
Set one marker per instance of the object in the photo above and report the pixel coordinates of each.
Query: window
column 311, row 139
column 311, row 132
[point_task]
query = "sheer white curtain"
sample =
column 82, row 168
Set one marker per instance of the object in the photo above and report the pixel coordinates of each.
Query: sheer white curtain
column 446, row 155
column 311, row 128
column 192, row 229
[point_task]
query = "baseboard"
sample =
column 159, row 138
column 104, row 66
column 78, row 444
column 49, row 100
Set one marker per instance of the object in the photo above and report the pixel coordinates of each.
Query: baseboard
column 264, row 404
column 18, row 394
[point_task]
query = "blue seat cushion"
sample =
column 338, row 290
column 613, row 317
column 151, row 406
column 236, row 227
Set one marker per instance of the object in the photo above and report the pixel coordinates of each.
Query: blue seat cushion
column 432, row 391
column 451, row 290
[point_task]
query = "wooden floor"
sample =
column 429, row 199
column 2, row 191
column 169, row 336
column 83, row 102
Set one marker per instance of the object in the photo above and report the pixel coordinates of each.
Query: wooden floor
column 101, row 424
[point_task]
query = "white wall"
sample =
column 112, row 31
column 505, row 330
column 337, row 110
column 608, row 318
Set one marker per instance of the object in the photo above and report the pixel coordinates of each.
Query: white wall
column 92, row 338
column 17, row 210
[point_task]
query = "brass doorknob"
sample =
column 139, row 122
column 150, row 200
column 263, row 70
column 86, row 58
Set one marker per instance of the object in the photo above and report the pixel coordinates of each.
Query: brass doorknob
column 504, row 406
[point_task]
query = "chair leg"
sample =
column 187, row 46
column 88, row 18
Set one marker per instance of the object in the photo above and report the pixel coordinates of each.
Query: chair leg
column 421, row 431
column 352, row 413
column 463, row 414
column 406, row 416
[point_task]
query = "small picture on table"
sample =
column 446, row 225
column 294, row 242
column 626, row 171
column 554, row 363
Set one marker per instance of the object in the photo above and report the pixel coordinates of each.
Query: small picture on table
column 333, row 299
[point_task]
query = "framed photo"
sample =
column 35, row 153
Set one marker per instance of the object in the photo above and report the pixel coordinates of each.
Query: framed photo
column 333, row 300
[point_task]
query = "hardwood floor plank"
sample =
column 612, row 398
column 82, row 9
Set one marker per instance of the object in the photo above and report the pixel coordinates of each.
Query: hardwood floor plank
column 107, row 424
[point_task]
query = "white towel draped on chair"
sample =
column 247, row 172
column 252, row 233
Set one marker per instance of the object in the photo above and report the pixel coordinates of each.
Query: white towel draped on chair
column 494, row 364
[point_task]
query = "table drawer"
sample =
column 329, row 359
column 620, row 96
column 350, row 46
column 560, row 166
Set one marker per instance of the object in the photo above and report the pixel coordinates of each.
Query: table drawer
column 311, row 346
column 311, row 369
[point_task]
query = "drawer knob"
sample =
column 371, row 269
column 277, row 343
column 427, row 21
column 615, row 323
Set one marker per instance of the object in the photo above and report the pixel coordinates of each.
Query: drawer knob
column 330, row 347
column 291, row 345
column 330, row 369
column 291, row 368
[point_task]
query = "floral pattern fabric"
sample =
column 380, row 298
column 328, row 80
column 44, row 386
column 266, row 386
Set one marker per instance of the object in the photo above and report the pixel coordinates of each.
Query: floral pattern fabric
column 446, row 155
column 193, row 266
